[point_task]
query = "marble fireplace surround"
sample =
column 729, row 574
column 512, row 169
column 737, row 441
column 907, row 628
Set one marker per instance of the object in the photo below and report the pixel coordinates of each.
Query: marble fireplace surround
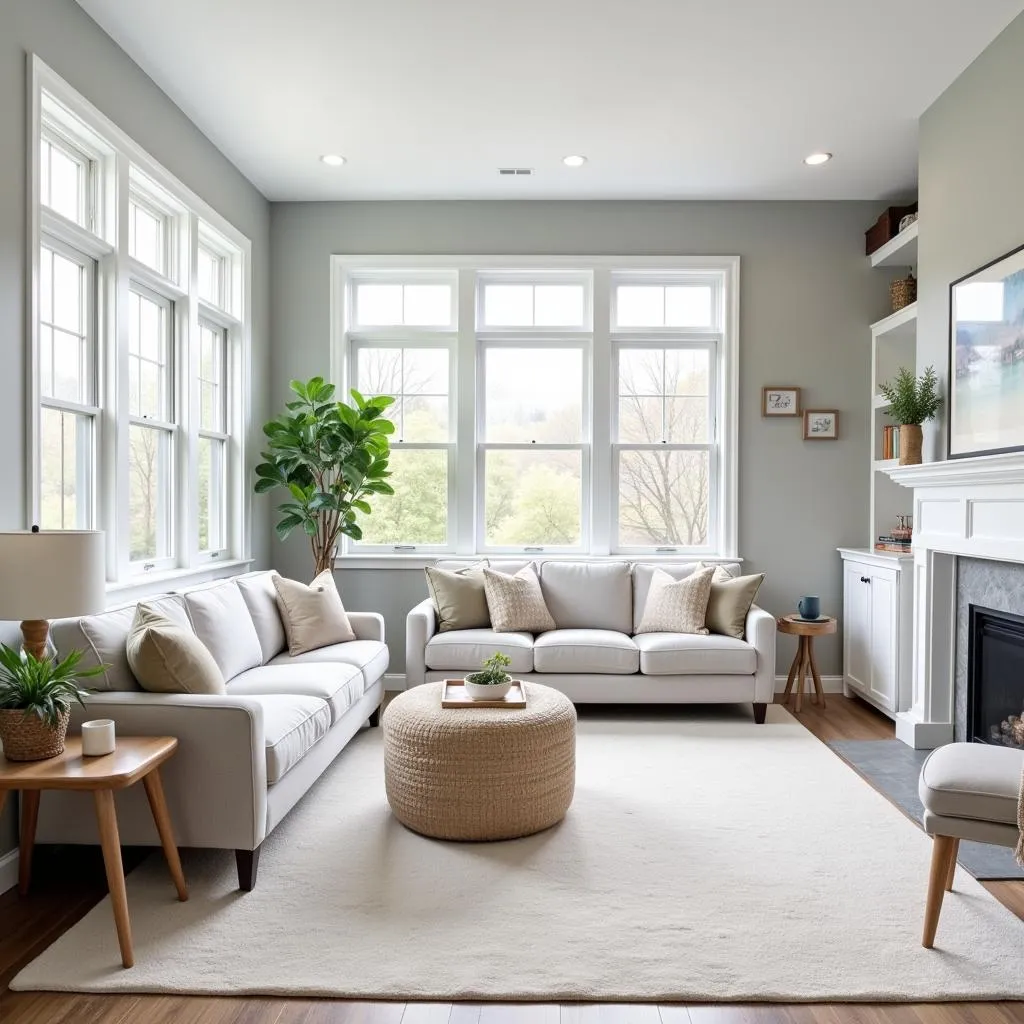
column 963, row 508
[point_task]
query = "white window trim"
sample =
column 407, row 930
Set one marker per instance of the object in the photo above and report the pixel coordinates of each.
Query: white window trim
column 468, row 268
column 107, row 243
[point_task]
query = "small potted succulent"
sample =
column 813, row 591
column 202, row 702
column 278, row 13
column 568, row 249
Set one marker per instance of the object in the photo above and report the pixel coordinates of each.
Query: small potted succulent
column 492, row 682
column 912, row 400
column 35, row 702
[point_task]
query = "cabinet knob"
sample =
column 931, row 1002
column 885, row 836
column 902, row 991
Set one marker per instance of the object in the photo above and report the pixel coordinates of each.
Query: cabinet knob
column 865, row 579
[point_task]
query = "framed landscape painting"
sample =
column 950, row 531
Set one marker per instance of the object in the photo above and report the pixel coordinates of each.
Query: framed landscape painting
column 986, row 359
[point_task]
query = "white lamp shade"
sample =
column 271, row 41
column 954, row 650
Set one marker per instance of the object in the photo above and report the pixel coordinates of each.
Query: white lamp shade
column 52, row 574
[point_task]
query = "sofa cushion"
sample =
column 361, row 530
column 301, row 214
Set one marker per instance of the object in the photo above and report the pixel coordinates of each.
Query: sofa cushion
column 644, row 571
column 221, row 619
column 313, row 616
column 369, row 656
column 340, row 685
column 101, row 639
column 972, row 780
column 292, row 725
column 585, row 650
column 261, row 599
column 589, row 595
column 465, row 650
column 166, row 657
column 691, row 654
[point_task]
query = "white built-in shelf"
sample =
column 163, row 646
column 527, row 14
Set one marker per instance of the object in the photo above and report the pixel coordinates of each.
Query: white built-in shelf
column 884, row 465
column 899, row 325
column 870, row 554
column 881, row 402
column 900, row 251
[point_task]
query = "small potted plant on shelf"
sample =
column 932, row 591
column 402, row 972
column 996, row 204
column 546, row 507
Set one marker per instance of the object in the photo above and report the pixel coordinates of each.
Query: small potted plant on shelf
column 912, row 401
column 35, row 702
column 492, row 682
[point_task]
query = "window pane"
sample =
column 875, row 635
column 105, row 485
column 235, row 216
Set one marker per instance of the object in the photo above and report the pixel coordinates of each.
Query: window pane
column 534, row 394
column 558, row 305
column 62, row 183
column 150, row 489
column 212, row 346
column 640, row 305
column 210, row 277
column 63, row 354
column 641, row 419
column 427, row 305
column 687, row 371
column 65, row 470
column 212, row 494
column 642, row 371
column 508, row 305
column 146, row 237
column 417, row 513
column 688, row 306
column 147, row 358
column 68, row 294
column 379, row 371
column 532, row 498
column 425, row 371
column 424, row 418
column 379, row 305
column 68, row 371
column 663, row 498
column 418, row 379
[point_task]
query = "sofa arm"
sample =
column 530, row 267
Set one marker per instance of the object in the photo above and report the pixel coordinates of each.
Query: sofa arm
column 760, row 631
column 420, row 626
column 367, row 625
column 215, row 782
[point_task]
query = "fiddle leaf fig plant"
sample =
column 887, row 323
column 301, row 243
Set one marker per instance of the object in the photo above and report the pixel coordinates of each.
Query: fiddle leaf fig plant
column 332, row 458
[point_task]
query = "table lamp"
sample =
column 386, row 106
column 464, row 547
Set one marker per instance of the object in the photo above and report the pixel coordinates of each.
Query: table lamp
column 50, row 574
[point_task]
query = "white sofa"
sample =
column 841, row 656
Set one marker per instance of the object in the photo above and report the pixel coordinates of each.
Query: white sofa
column 245, row 758
column 595, row 656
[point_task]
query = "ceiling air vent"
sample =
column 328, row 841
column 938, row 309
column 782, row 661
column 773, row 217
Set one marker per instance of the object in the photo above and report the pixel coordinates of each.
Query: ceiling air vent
column 515, row 172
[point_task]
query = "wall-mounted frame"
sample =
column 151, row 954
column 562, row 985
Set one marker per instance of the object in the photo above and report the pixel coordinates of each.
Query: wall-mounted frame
column 821, row 425
column 986, row 359
column 780, row 400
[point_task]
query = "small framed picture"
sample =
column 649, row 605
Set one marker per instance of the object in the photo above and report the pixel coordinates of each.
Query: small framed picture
column 821, row 425
column 780, row 401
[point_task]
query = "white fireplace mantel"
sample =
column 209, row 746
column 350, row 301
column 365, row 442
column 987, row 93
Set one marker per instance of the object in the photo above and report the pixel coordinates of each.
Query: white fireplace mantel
column 963, row 508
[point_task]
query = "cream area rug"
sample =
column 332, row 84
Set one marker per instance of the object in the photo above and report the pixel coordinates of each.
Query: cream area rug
column 702, row 859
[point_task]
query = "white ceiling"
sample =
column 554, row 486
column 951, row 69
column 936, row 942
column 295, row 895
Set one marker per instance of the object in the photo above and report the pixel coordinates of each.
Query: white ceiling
column 667, row 98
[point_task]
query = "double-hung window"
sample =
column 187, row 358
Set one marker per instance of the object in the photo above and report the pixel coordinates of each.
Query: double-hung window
column 139, row 349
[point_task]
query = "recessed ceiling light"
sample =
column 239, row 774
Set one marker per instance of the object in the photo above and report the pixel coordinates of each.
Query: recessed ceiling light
column 574, row 161
column 332, row 159
column 817, row 158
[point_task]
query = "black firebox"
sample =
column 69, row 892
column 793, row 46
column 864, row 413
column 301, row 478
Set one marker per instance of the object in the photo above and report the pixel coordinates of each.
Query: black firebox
column 995, row 677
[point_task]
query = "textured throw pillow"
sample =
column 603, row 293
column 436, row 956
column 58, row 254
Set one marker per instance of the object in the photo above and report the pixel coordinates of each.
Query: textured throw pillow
column 730, row 601
column 677, row 606
column 458, row 597
column 313, row 616
column 166, row 657
column 516, row 603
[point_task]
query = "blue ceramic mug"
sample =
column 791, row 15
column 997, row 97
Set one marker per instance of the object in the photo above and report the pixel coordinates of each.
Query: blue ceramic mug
column 809, row 607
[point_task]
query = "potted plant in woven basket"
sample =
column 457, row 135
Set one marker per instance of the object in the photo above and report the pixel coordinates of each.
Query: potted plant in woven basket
column 912, row 401
column 35, row 702
column 492, row 682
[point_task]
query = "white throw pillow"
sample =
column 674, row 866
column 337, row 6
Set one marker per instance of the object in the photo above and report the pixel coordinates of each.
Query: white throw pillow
column 677, row 606
column 516, row 603
column 313, row 616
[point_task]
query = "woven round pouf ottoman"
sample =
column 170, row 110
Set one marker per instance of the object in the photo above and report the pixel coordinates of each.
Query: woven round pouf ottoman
column 479, row 773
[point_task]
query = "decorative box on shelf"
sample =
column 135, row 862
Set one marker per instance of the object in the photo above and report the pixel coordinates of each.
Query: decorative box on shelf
column 887, row 226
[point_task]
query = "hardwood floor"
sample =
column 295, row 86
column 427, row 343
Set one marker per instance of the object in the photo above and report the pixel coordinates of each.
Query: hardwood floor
column 69, row 883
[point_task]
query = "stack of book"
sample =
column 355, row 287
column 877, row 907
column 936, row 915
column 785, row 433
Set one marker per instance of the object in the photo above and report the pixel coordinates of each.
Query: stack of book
column 890, row 442
column 889, row 543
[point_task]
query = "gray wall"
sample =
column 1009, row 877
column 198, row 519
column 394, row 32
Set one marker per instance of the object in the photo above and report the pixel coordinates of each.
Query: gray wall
column 74, row 46
column 807, row 297
column 971, row 155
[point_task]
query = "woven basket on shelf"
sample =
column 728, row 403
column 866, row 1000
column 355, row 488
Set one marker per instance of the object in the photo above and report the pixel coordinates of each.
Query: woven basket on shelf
column 903, row 292
column 26, row 738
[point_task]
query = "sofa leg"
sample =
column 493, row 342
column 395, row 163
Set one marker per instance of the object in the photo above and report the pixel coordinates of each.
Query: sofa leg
column 374, row 719
column 247, row 862
column 760, row 710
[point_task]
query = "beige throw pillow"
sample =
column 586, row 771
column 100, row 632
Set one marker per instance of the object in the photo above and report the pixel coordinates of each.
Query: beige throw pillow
column 458, row 597
column 677, row 606
column 166, row 657
column 516, row 603
column 730, row 601
column 312, row 616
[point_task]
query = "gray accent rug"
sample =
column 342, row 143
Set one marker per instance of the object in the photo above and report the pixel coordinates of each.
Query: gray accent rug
column 893, row 768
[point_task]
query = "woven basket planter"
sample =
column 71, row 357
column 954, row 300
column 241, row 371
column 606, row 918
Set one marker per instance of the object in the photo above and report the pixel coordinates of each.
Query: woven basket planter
column 903, row 292
column 26, row 738
column 911, row 438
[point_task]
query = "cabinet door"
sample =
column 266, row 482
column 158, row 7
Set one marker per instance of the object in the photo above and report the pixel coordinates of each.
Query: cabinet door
column 883, row 638
column 857, row 625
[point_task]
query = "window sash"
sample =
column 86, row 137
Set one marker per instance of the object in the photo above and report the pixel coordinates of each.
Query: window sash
column 84, row 468
column 162, row 478
column 51, row 138
column 535, row 279
column 401, row 279
column 165, row 363
column 712, row 280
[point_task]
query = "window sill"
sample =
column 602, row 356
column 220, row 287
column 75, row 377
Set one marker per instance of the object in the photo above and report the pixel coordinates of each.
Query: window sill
column 380, row 561
column 151, row 584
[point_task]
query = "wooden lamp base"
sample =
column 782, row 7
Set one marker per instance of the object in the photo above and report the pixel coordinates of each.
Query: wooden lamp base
column 34, row 636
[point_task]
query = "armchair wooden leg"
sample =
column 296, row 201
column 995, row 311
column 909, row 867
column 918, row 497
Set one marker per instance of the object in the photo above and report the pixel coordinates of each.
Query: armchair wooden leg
column 760, row 710
column 247, row 862
column 374, row 718
column 941, row 847
column 952, row 864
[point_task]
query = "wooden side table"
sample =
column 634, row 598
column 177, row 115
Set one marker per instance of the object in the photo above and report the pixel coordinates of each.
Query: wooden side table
column 136, row 757
column 804, row 663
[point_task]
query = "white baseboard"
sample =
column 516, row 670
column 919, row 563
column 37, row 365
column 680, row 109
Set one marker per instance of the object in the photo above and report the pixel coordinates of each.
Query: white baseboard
column 9, row 870
column 394, row 681
column 830, row 684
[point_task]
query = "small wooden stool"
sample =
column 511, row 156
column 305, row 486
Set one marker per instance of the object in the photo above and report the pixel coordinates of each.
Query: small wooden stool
column 804, row 663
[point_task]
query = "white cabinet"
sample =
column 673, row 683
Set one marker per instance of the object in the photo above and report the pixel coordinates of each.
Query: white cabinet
column 877, row 623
